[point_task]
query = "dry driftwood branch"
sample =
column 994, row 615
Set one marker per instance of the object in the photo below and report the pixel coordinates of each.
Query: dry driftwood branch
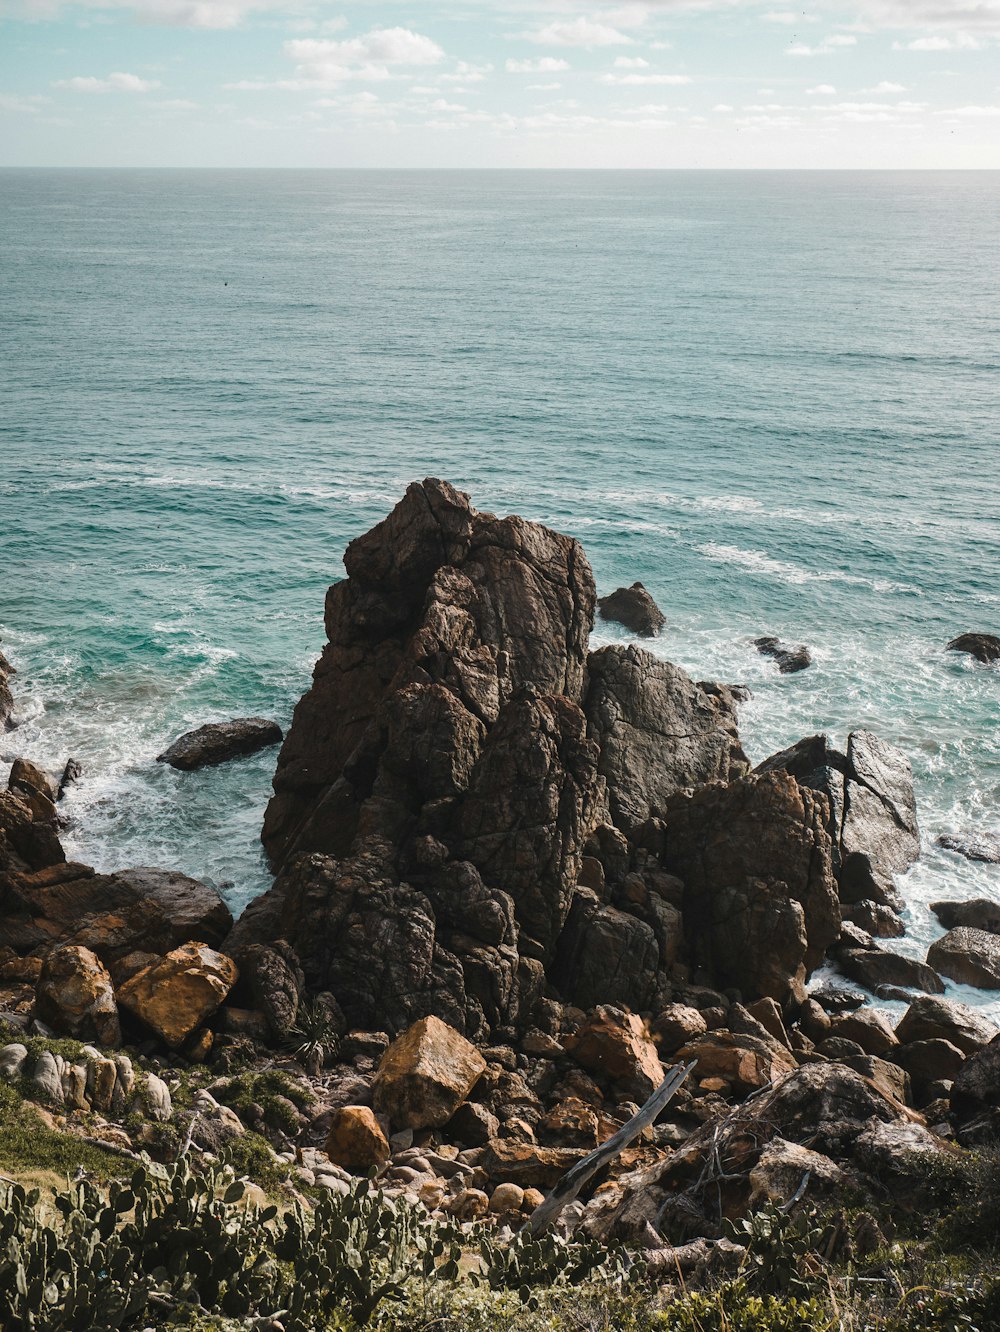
column 546, row 1213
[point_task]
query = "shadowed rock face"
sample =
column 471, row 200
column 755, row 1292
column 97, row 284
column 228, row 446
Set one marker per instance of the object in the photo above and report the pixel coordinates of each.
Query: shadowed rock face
column 635, row 609
column 218, row 742
column 6, row 696
column 984, row 647
column 658, row 732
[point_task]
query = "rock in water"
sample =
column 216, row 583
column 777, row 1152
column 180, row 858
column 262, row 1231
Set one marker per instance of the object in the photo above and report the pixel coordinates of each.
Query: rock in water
column 220, row 741
column 789, row 659
column 175, row 994
column 6, row 696
column 635, row 609
column 979, row 914
column 984, row 647
column 971, row 957
column 658, row 732
column 974, row 845
column 425, row 1075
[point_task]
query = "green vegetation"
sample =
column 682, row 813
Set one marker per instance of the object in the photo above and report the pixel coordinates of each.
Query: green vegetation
column 28, row 1145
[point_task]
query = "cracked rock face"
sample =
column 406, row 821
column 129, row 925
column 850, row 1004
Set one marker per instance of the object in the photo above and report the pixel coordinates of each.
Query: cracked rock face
column 658, row 732
column 873, row 812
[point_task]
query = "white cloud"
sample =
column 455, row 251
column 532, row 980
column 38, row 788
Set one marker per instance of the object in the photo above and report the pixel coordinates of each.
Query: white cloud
column 578, row 32
column 723, row 107
column 631, row 62
column 836, row 41
column 543, row 87
column 821, row 90
column 368, row 58
column 465, row 72
column 130, row 83
column 642, row 80
column 543, row 65
column 32, row 104
column 975, row 112
column 176, row 104
column 442, row 105
column 176, row 13
column 962, row 42
column 789, row 16
column 886, row 87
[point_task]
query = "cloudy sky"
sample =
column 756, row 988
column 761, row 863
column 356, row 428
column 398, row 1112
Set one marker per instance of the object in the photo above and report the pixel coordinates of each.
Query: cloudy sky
column 659, row 83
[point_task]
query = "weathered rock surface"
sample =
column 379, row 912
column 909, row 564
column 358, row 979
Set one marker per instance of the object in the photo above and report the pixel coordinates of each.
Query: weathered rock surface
column 872, row 809
column 605, row 955
column 635, row 609
column 760, row 904
column 929, row 1018
column 218, row 742
column 425, row 1075
column 355, row 1141
column 658, row 732
column 274, row 978
column 979, row 914
column 35, row 787
column 971, row 957
column 75, row 996
column 6, row 695
column 984, row 647
column 617, row 1047
column 977, row 1084
column 790, row 659
column 175, row 994
column 744, row 1063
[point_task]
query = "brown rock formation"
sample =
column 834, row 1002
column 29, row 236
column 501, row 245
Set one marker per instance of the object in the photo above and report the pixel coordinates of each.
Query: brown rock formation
column 634, row 608
column 425, row 1075
column 175, row 994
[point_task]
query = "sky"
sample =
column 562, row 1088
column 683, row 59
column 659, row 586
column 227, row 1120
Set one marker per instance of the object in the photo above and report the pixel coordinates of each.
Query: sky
column 500, row 83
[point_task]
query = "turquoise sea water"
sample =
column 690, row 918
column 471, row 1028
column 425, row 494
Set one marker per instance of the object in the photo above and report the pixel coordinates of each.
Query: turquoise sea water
column 772, row 397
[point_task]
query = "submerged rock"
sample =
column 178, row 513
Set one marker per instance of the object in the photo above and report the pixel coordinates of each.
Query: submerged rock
column 635, row 609
column 984, row 647
column 790, row 659
column 218, row 742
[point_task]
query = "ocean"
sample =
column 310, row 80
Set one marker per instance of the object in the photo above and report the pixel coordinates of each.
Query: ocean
column 772, row 397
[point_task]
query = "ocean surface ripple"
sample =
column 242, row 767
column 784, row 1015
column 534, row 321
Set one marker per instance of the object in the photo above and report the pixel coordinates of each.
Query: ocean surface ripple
column 772, row 397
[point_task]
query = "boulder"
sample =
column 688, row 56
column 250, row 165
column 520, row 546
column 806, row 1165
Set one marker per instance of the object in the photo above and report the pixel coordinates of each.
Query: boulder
column 974, row 844
column 929, row 1061
column 218, row 742
column 889, row 1078
column 658, row 732
column 507, row 1198
column 634, row 608
column 984, row 647
column 355, row 1141
column 616, row 1046
column 425, row 1075
column 877, row 920
column 876, row 967
column 177, row 993
column 75, row 996
column 71, row 774
column 745, row 1063
column 790, row 659
column 976, row 1086
column 760, row 904
column 28, row 778
column 676, row 1025
column 868, row 1027
column 781, row 1168
column 507, row 1161
column 979, row 914
column 929, row 1018
column 971, row 957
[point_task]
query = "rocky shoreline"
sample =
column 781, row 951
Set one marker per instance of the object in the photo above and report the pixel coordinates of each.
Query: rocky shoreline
column 515, row 881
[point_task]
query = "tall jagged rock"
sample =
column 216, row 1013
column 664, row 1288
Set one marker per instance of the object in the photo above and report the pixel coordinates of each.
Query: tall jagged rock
column 6, row 695
column 442, row 777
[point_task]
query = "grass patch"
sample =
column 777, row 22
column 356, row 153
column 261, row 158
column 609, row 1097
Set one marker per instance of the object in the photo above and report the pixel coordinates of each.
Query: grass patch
column 28, row 1145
